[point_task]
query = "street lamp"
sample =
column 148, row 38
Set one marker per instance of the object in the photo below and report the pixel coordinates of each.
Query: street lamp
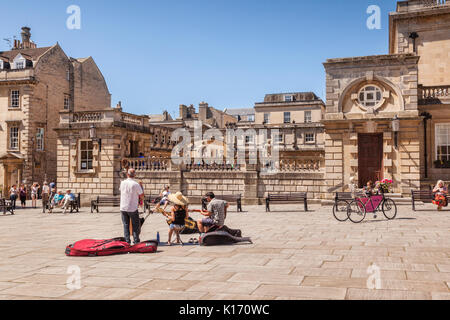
column 93, row 137
column 396, row 130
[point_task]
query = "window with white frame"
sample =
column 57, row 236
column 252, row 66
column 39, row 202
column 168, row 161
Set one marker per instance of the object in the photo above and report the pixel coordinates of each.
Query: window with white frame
column 267, row 118
column 251, row 118
column 443, row 142
column 288, row 98
column 86, row 153
column 279, row 138
column 287, row 117
column 66, row 102
column 308, row 116
column 1, row 64
column 20, row 64
column 310, row 138
column 15, row 99
column 40, row 139
column 14, row 138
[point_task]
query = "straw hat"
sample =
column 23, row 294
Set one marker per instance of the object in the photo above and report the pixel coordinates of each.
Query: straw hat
column 178, row 199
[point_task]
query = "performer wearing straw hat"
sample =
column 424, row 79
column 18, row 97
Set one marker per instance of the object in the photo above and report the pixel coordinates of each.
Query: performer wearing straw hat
column 179, row 215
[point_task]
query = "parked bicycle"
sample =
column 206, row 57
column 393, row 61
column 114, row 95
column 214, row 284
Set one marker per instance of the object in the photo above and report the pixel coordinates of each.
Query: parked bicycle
column 357, row 209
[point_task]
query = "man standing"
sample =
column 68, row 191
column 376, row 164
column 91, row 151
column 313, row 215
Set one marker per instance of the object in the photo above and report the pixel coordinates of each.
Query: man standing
column 130, row 191
column 215, row 215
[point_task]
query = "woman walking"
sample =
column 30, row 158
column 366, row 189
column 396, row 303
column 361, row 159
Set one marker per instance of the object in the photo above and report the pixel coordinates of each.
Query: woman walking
column 23, row 196
column 13, row 196
column 34, row 194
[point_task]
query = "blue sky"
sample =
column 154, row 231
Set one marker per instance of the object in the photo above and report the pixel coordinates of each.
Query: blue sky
column 156, row 55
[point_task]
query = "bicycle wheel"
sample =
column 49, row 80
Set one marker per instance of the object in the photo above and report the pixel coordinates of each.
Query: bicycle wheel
column 356, row 211
column 389, row 209
column 340, row 210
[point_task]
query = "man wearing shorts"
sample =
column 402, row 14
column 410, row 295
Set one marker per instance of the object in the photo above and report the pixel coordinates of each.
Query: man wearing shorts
column 215, row 215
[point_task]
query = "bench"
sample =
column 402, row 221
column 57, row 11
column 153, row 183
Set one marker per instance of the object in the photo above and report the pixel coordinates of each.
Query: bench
column 148, row 201
column 104, row 202
column 6, row 206
column 347, row 196
column 301, row 197
column 426, row 196
column 234, row 198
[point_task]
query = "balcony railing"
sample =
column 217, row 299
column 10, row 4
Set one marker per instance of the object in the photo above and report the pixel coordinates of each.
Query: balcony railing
column 434, row 95
column 149, row 164
column 432, row 3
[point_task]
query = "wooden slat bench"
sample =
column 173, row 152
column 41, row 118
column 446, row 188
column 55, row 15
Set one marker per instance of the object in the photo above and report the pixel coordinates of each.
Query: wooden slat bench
column 148, row 201
column 6, row 206
column 426, row 196
column 234, row 198
column 346, row 196
column 301, row 197
column 104, row 202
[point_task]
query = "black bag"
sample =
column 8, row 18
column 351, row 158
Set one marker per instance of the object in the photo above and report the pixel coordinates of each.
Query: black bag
column 217, row 236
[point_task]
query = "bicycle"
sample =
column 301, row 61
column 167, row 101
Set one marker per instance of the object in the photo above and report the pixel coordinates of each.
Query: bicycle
column 357, row 209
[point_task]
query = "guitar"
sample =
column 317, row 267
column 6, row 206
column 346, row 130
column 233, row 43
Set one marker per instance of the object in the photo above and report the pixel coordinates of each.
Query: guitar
column 188, row 223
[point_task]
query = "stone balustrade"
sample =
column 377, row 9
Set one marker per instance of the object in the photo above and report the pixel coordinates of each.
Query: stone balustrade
column 434, row 94
column 149, row 164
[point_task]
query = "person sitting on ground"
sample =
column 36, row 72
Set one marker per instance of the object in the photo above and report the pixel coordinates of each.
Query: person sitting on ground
column 215, row 214
column 69, row 198
column 164, row 199
column 441, row 193
column 57, row 201
column 179, row 214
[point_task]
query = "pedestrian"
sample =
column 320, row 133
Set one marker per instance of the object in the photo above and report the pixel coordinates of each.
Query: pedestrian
column 34, row 194
column 130, row 192
column 23, row 196
column 13, row 196
column 45, row 194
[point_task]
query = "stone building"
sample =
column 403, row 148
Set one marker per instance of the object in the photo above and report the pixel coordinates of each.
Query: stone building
column 35, row 84
column 93, row 144
column 378, row 107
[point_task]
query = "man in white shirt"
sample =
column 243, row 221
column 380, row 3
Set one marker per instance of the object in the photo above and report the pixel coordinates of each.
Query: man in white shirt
column 130, row 191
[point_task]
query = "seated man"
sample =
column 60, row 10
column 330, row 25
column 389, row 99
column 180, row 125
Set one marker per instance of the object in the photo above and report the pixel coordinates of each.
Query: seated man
column 57, row 201
column 215, row 214
column 69, row 198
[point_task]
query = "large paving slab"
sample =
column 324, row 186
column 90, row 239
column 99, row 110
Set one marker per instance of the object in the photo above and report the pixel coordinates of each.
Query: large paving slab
column 294, row 255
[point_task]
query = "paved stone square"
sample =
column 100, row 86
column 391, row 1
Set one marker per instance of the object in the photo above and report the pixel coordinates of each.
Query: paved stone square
column 295, row 255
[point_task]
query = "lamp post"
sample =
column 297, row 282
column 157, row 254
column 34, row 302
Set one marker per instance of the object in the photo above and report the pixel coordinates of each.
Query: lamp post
column 396, row 130
column 93, row 137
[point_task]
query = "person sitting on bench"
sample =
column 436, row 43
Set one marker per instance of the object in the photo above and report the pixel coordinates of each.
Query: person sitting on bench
column 57, row 201
column 69, row 198
column 179, row 214
column 215, row 214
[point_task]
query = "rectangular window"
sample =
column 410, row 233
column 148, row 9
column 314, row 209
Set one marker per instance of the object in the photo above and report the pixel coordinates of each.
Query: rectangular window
column 68, row 75
column 251, row 118
column 279, row 138
column 20, row 65
column 288, row 98
column 86, row 155
column 40, row 139
column 287, row 117
column 15, row 99
column 266, row 118
column 1, row 64
column 443, row 142
column 14, row 138
column 310, row 138
column 66, row 102
column 308, row 116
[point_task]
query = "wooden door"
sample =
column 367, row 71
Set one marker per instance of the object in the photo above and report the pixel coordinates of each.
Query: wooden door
column 370, row 158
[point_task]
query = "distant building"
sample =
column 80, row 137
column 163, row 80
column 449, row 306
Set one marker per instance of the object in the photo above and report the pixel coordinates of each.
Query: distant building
column 36, row 83
column 242, row 115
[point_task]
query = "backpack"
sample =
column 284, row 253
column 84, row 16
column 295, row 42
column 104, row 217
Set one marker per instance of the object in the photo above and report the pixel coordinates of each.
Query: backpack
column 93, row 248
